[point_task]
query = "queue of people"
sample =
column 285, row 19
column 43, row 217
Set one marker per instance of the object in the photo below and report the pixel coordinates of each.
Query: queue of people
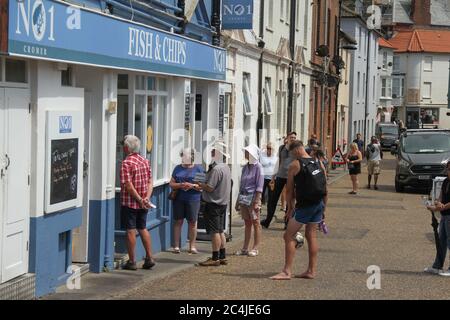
column 265, row 172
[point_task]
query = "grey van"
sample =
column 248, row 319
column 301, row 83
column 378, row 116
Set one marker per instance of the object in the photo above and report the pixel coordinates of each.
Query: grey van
column 387, row 134
column 422, row 155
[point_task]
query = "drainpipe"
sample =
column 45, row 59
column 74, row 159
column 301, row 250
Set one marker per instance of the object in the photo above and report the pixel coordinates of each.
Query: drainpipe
column 367, row 87
column 261, row 44
column 448, row 92
column 337, row 53
column 291, row 65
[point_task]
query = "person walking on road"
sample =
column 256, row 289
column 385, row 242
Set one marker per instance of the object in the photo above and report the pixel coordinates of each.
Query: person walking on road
column 268, row 161
column 374, row 156
column 249, row 200
column 307, row 193
column 280, row 179
column 136, row 189
column 354, row 159
column 443, row 206
column 186, row 204
column 216, row 195
column 359, row 142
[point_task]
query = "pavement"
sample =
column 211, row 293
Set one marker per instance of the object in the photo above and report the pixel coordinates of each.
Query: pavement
column 374, row 228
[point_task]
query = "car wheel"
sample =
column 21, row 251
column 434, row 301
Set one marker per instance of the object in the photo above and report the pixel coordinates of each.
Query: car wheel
column 399, row 187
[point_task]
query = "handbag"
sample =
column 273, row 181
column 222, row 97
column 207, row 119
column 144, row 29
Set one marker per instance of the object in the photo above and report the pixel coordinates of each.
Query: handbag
column 246, row 199
column 172, row 195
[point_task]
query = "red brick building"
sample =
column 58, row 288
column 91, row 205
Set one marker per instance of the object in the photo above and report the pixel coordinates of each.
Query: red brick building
column 322, row 119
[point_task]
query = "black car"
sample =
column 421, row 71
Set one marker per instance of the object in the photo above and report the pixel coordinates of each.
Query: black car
column 422, row 156
column 387, row 134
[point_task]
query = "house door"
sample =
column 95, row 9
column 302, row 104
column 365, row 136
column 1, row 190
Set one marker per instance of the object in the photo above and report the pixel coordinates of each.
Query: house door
column 80, row 235
column 15, row 145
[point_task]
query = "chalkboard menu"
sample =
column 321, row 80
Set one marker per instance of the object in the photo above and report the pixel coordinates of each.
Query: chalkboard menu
column 63, row 170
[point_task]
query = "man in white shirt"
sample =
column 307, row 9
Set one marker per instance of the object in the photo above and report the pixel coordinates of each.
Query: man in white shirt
column 374, row 156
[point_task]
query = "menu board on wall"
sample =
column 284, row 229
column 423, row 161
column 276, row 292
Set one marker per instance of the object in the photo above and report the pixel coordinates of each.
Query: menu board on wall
column 63, row 170
column 64, row 160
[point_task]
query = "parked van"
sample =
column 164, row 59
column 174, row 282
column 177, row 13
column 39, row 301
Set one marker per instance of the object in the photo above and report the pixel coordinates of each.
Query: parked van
column 422, row 155
column 387, row 134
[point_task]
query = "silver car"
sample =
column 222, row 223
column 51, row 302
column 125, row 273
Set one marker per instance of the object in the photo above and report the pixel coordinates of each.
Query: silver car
column 422, row 155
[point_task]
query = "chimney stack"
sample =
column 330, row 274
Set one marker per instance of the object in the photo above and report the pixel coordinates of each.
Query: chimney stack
column 421, row 12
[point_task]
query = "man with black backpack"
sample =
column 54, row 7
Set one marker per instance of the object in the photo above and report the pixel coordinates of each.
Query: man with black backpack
column 307, row 198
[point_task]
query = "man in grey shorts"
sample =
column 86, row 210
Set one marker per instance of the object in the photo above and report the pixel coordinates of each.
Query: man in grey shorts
column 216, row 192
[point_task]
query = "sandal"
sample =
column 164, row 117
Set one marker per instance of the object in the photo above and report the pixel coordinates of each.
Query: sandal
column 253, row 253
column 193, row 251
column 241, row 252
column 176, row 250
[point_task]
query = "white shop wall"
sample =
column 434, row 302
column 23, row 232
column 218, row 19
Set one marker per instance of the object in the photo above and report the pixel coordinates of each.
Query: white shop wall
column 48, row 94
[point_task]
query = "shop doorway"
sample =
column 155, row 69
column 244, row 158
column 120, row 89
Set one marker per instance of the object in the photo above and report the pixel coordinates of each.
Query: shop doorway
column 80, row 235
column 15, row 145
column 413, row 118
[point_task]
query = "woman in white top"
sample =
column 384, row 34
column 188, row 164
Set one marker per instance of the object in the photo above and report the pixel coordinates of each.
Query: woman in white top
column 268, row 161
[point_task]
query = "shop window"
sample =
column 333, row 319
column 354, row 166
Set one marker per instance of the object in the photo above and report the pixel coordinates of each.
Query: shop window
column 268, row 96
column 122, row 81
column 429, row 116
column 16, row 70
column 246, row 94
column 162, row 138
column 151, row 83
column 138, row 116
column 140, row 82
column 162, row 85
column 66, row 77
column 150, row 108
column 122, row 131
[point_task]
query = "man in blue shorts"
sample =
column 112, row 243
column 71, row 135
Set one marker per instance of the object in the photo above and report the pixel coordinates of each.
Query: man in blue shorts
column 306, row 192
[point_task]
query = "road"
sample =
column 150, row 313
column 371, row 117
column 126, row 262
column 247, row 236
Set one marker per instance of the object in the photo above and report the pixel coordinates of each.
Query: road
column 374, row 228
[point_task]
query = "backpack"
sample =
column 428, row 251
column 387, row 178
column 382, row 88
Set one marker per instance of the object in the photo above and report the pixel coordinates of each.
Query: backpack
column 313, row 183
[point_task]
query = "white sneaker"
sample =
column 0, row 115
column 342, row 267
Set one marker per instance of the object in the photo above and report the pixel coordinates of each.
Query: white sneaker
column 445, row 273
column 432, row 270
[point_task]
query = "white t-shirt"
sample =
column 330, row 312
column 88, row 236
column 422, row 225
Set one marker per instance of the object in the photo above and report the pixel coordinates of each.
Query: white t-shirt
column 268, row 164
column 374, row 152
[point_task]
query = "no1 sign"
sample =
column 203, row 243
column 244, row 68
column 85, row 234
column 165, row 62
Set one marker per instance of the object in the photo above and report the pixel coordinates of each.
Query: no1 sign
column 237, row 14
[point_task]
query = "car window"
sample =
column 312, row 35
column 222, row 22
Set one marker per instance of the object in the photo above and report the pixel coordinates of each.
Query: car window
column 426, row 143
column 389, row 130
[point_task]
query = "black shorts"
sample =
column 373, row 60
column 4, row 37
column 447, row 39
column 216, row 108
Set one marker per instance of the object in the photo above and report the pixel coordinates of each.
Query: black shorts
column 134, row 218
column 186, row 210
column 214, row 218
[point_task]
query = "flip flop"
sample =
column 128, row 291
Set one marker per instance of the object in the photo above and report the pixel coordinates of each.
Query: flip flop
column 281, row 276
column 193, row 251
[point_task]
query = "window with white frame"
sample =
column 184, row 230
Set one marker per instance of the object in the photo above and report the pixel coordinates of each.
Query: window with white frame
column 297, row 15
column 364, row 85
column 426, row 90
column 143, row 110
column 398, row 87
column 246, row 94
column 396, row 64
column 358, row 85
column 288, row 11
column 385, row 60
column 428, row 63
column 305, row 23
column 268, row 96
column 282, row 10
column 386, row 88
column 270, row 14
